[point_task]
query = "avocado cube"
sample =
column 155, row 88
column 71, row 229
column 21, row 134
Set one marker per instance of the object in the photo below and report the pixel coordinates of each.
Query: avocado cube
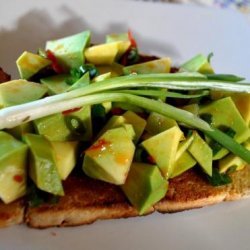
column 20, row 91
column 233, row 162
column 157, row 123
column 67, row 126
column 225, row 114
column 115, row 69
column 21, row 129
column 13, row 163
column 163, row 147
column 110, row 157
column 182, row 164
column 198, row 63
column 162, row 65
column 42, row 167
column 137, row 122
column 102, row 54
column 69, row 51
column 66, row 156
column 144, row 186
column 56, row 84
column 202, row 153
column 29, row 64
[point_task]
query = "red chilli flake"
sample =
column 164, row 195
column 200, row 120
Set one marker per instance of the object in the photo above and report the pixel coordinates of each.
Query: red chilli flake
column 100, row 144
column 117, row 111
column 132, row 40
column 18, row 178
column 69, row 111
column 151, row 159
column 56, row 67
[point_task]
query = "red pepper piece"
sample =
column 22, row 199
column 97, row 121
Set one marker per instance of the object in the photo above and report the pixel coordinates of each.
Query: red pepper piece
column 56, row 67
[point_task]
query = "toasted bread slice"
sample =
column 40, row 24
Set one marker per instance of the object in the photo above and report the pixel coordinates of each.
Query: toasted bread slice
column 11, row 214
column 87, row 200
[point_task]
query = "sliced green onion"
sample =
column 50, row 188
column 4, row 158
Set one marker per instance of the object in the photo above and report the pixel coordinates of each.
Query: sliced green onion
column 224, row 77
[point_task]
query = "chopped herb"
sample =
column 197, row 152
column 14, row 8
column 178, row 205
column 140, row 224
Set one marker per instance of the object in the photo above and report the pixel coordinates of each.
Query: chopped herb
column 218, row 179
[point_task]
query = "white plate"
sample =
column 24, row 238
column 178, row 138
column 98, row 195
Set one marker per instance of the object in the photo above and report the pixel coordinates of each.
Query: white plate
column 167, row 30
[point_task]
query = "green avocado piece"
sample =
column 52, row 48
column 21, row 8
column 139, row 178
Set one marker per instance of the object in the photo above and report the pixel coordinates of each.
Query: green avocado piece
column 137, row 122
column 202, row 153
column 124, row 42
column 20, row 130
column 163, row 147
column 162, row 65
column 13, row 163
column 110, row 157
column 69, row 51
column 144, row 186
column 115, row 69
column 233, row 162
column 29, row 64
column 56, row 84
column 67, row 126
column 199, row 64
column 42, row 168
column 183, row 159
column 65, row 155
column 82, row 82
column 182, row 164
column 157, row 123
column 224, row 114
column 20, row 91
column 102, row 54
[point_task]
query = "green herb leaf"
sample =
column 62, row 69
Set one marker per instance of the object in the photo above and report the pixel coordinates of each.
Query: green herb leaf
column 218, row 179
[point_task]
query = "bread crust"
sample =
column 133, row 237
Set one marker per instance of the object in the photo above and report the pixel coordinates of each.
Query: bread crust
column 87, row 200
column 12, row 214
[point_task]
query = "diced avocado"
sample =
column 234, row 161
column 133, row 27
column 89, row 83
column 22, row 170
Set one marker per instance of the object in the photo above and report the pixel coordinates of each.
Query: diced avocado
column 115, row 121
column 13, row 163
column 232, row 161
column 67, row 126
column 193, row 108
column 29, row 64
column 198, row 63
column 182, row 164
column 144, row 186
column 163, row 147
column 56, row 84
column 110, row 157
column 157, row 123
column 124, row 40
column 162, row 65
column 20, row 91
column 82, row 82
column 115, row 69
column 183, row 146
column 137, row 122
column 65, row 155
column 20, row 130
column 242, row 102
column 202, row 153
column 224, row 114
column 183, row 159
column 69, row 51
column 103, row 54
column 42, row 168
